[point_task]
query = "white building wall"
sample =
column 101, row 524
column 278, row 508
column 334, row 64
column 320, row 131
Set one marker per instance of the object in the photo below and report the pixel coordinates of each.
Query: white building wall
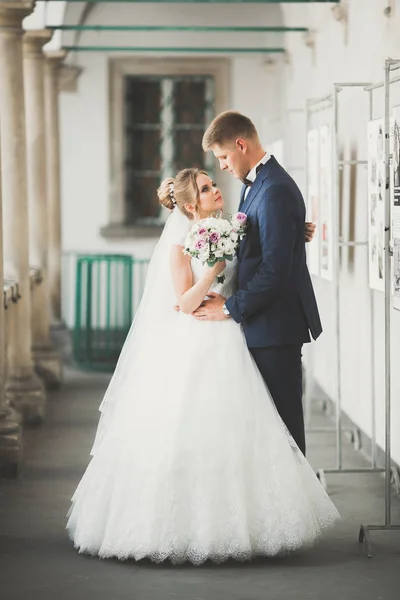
column 371, row 37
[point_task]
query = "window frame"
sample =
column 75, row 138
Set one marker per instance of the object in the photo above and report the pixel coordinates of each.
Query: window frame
column 118, row 69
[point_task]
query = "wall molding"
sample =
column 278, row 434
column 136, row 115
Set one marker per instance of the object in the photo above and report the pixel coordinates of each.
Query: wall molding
column 118, row 69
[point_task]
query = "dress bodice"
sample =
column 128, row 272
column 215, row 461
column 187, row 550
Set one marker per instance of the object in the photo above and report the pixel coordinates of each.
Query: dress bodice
column 228, row 287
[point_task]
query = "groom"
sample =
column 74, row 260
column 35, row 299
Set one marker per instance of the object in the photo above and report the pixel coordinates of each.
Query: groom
column 275, row 301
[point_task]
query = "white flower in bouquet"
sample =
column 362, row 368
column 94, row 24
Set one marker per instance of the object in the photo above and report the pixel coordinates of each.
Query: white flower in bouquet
column 213, row 239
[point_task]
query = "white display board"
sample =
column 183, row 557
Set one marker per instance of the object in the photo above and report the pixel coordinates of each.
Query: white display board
column 396, row 272
column 376, row 199
column 326, row 201
column 395, row 204
column 313, row 248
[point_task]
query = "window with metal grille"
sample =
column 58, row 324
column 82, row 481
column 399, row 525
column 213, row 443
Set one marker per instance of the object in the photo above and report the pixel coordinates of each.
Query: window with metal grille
column 164, row 121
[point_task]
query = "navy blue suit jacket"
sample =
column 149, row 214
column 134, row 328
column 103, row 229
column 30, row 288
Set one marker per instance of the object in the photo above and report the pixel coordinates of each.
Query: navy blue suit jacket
column 275, row 301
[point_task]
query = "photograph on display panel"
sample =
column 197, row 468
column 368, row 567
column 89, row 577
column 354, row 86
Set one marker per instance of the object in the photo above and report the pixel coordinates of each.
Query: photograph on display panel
column 313, row 250
column 395, row 204
column 376, row 203
column 395, row 151
column 396, row 272
column 326, row 201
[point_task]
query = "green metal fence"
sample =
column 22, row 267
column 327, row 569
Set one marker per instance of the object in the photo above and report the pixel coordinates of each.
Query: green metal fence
column 101, row 293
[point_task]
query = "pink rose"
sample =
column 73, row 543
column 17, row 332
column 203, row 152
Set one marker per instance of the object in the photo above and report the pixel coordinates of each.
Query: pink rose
column 240, row 217
column 202, row 231
column 200, row 244
column 214, row 237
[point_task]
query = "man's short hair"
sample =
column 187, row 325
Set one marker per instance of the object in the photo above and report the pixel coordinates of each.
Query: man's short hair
column 228, row 127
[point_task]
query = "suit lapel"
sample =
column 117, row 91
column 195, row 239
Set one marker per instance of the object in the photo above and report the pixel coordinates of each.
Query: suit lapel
column 255, row 188
column 244, row 206
column 265, row 172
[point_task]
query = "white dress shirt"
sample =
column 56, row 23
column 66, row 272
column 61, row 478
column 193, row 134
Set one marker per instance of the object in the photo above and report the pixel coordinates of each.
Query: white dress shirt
column 251, row 176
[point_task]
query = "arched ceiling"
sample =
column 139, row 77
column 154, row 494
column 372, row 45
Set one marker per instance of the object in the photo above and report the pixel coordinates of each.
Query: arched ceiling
column 55, row 13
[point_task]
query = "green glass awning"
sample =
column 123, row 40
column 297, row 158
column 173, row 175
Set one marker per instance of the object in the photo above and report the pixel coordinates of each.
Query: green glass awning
column 202, row 28
column 209, row 1
column 187, row 49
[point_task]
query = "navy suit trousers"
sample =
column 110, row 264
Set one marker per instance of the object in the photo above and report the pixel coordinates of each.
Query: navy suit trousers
column 280, row 367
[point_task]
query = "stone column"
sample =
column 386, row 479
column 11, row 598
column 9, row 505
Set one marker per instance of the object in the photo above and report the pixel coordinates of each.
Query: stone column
column 47, row 361
column 24, row 388
column 53, row 64
column 68, row 78
column 10, row 431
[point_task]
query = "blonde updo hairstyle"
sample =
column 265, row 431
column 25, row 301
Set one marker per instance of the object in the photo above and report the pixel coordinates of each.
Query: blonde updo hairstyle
column 181, row 190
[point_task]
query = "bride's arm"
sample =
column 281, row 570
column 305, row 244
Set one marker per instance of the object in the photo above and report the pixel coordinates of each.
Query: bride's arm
column 190, row 296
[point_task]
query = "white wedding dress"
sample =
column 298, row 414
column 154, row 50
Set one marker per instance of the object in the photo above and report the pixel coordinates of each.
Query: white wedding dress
column 191, row 460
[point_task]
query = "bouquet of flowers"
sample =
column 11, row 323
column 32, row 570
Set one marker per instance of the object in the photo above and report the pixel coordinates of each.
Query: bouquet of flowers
column 213, row 239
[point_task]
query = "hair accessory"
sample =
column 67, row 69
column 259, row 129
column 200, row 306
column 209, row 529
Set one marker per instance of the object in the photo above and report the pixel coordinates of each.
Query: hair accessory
column 172, row 193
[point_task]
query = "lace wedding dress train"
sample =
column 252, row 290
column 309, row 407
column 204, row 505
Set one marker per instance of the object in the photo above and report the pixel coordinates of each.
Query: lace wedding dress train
column 191, row 460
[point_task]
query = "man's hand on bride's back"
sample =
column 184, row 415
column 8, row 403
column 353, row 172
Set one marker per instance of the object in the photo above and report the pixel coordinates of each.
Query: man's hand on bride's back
column 309, row 229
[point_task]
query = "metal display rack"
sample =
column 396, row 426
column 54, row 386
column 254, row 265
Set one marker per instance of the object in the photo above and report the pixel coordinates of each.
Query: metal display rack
column 365, row 530
column 313, row 106
column 332, row 102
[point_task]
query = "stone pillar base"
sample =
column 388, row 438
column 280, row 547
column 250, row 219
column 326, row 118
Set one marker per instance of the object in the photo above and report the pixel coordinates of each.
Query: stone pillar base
column 10, row 445
column 48, row 366
column 57, row 325
column 28, row 396
column 15, row 416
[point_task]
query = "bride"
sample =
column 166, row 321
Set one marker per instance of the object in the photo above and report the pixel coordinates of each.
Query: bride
column 191, row 460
